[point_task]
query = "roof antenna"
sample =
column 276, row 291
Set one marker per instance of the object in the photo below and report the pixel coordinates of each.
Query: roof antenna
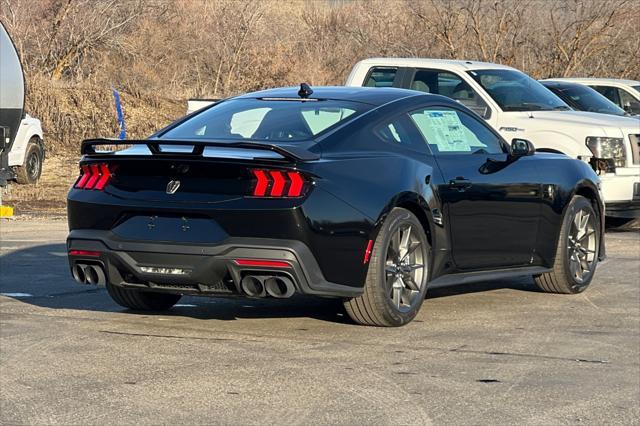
column 305, row 91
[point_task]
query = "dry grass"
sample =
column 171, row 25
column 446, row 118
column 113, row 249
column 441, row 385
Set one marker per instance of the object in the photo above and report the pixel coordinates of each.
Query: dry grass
column 49, row 195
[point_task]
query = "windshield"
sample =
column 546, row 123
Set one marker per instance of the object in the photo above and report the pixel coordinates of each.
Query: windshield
column 637, row 88
column 274, row 120
column 516, row 91
column 587, row 99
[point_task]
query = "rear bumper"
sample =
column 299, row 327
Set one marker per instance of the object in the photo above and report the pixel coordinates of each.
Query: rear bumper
column 208, row 269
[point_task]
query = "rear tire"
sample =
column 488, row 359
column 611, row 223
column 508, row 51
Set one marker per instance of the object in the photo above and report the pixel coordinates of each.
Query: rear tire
column 31, row 169
column 577, row 251
column 142, row 300
column 396, row 282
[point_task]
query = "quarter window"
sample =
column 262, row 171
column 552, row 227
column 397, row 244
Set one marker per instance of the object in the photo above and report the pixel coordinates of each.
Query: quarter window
column 452, row 86
column 449, row 131
column 401, row 131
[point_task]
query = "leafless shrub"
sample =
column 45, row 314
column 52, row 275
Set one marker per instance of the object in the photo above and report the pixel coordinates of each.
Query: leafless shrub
column 159, row 52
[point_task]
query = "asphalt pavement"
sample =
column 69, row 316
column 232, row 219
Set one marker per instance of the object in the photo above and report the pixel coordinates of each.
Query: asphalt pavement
column 499, row 352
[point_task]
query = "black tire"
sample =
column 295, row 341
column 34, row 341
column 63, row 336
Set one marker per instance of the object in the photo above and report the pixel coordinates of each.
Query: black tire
column 31, row 169
column 561, row 279
column 375, row 306
column 142, row 300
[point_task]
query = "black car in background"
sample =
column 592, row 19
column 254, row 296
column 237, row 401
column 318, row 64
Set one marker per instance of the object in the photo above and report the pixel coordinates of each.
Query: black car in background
column 370, row 195
column 583, row 98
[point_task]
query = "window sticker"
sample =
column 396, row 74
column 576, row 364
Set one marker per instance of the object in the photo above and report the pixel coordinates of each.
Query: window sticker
column 445, row 130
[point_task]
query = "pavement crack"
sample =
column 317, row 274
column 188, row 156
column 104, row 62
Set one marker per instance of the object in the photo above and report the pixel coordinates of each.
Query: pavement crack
column 165, row 336
column 559, row 358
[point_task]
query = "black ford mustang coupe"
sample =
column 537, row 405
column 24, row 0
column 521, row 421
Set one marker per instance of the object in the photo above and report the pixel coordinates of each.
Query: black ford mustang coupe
column 369, row 195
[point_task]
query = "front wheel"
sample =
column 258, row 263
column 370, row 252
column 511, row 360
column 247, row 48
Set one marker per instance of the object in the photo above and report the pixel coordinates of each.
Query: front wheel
column 396, row 282
column 142, row 300
column 577, row 251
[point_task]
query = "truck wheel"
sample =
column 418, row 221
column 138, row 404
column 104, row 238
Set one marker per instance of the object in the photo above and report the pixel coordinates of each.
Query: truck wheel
column 31, row 169
column 396, row 282
column 142, row 300
column 577, row 251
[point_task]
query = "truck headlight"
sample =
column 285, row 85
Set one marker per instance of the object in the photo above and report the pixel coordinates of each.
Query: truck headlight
column 608, row 148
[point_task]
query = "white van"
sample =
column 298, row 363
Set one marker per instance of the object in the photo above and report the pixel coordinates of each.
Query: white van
column 520, row 107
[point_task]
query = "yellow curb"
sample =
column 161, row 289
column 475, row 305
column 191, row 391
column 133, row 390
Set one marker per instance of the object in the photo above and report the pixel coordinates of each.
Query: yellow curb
column 6, row 211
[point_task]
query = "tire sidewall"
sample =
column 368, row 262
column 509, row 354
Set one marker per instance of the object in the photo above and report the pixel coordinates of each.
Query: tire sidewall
column 578, row 203
column 395, row 219
column 33, row 148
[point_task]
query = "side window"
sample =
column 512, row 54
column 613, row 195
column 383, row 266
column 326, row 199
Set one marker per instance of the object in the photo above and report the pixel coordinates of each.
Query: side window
column 626, row 99
column 401, row 131
column 452, row 86
column 449, row 131
column 609, row 92
column 381, row 77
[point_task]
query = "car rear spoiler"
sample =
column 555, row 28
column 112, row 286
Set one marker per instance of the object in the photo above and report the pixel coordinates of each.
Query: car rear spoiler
column 290, row 153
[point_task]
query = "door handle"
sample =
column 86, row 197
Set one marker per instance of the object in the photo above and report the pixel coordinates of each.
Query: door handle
column 460, row 183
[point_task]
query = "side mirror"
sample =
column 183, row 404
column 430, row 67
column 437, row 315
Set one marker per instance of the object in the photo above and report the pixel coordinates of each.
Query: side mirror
column 521, row 148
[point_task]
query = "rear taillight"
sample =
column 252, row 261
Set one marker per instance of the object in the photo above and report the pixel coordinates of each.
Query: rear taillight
column 93, row 176
column 277, row 184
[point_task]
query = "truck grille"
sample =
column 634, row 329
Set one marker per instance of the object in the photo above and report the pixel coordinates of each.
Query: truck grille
column 635, row 148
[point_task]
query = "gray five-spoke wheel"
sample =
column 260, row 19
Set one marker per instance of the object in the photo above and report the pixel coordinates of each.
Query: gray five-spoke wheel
column 405, row 268
column 581, row 246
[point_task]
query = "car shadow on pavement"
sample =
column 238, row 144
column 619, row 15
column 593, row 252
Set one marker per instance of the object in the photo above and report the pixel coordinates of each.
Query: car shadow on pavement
column 39, row 275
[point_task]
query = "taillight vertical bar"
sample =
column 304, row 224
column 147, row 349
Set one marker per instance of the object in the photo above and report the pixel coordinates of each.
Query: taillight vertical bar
column 95, row 175
column 278, row 183
column 105, row 174
column 262, row 183
column 84, row 177
column 295, row 189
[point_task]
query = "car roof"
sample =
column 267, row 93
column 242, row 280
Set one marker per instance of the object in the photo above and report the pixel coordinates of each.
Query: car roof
column 370, row 95
column 594, row 80
column 450, row 64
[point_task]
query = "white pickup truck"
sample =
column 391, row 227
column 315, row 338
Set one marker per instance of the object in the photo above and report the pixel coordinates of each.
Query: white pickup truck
column 518, row 106
column 21, row 143
column 27, row 152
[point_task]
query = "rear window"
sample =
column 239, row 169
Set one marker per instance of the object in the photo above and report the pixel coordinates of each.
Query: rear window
column 266, row 120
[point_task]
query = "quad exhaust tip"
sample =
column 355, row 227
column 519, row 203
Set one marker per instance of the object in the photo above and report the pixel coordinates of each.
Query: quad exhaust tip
column 252, row 286
column 279, row 287
column 89, row 274
column 261, row 286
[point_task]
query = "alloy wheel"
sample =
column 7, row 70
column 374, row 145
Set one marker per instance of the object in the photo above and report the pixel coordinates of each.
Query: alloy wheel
column 405, row 268
column 581, row 246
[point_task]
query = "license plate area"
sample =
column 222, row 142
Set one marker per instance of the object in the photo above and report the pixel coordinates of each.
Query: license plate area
column 170, row 230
